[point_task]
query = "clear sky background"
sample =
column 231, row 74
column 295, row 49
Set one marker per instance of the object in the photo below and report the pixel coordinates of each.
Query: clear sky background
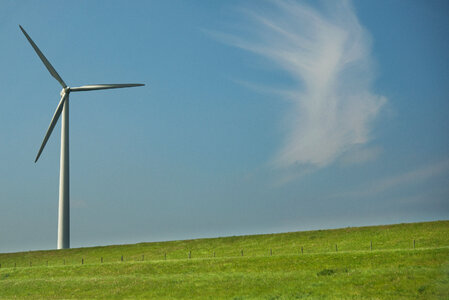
column 256, row 117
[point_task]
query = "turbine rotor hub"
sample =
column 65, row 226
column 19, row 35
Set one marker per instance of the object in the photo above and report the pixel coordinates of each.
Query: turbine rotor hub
column 65, row 90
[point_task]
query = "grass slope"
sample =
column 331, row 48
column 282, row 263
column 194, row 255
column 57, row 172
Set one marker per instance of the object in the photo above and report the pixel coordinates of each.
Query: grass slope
column 392, row 269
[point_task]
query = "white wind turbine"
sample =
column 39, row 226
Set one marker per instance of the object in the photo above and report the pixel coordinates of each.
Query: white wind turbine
column 63, row 107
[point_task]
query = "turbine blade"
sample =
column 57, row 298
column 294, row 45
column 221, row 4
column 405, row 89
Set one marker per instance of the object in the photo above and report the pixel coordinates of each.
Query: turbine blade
column 53, row 122
column 92, row 87
column 44, row 59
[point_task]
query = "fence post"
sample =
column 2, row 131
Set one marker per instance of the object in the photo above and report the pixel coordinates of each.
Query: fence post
column 336, row 248
column 190, row 254
column 371, row 246
column 82, row 261
column 242, row 252
column 14, row 265
column 101, row 259
column 302, row 250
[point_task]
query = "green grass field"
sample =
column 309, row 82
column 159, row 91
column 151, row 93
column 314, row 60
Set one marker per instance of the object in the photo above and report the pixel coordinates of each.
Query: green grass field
column 405, row 261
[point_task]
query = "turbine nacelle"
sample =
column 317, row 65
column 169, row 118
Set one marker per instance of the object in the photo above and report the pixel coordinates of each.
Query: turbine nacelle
column 65, row 91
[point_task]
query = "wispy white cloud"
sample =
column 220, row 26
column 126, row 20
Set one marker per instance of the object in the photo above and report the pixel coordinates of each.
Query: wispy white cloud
column 77, row 203
column 360, row 155
column 410, row 177
column 327, row 53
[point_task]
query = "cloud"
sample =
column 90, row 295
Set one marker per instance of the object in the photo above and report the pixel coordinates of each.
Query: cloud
column 410, row 177
column 360, row 155
column 77, row 203
column 413, row 176
column 327, row 54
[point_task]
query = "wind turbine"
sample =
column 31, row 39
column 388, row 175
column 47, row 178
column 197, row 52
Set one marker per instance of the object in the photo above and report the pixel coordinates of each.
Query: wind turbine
column 63, row 108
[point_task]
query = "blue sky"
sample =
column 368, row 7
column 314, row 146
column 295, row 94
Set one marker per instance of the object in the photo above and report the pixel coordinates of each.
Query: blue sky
column 256, row 117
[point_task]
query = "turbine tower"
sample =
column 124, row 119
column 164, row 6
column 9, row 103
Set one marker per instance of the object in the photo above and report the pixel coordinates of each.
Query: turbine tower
column 63, row 108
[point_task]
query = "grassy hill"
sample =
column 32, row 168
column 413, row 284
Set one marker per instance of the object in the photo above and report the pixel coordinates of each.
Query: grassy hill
column 394, row 261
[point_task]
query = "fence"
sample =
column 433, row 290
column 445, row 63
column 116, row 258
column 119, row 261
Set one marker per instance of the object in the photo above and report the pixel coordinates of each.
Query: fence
column 213, row 254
